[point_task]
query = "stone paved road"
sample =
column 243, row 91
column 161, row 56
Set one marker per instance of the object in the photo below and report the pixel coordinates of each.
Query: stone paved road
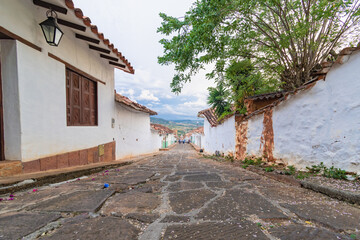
column 176, row 195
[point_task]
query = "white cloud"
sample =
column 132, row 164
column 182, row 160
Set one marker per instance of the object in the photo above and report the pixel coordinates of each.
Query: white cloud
column 130, row 93
column 147, row 95
column 168, row 96
column 199, row 103
column 170, row 109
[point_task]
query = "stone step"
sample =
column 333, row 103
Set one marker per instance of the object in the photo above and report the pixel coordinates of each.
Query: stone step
column 10, row 168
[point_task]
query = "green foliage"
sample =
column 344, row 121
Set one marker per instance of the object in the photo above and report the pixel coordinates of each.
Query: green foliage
column 229, row 158
column 336, row 173
column 218, row 99
column 290, row 170
column 249, row 161
column 258, row 161
column 331, row 172
column 269, row 169
column 302, row 175
column 353, row 236
column 285, row 39
column 316, row 168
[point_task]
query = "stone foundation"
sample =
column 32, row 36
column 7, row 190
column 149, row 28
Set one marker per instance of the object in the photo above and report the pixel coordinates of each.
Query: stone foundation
column 71, row 159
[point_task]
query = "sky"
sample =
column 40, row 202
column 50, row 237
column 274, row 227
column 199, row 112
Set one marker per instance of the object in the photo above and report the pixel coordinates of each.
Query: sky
column 131, row 26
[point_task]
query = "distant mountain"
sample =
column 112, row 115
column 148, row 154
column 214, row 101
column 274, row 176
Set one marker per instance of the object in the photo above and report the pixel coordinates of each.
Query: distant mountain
column 182, row 126
column 160, row 121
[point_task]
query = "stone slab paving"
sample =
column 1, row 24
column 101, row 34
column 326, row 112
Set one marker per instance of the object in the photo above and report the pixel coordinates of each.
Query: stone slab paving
column 17, row 225
column 130, row 202
column 299, row 232
column 83, row 201
column 204, row 231
column 94, row 229
column 177, row 194
column 184, row 202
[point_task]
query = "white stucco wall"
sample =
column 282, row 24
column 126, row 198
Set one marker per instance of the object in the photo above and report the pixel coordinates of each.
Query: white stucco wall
column 322, row 124
column 10, row 90
column 133, row 133
column 254, row 132
column 220, row 138
column 156, row 139
column 41, row 85
column 197, row 139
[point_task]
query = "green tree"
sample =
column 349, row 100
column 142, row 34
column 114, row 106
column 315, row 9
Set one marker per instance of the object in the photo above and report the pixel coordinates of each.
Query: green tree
column 285, row 39
column 244, row 80
column 240, row 80
column 218, row 99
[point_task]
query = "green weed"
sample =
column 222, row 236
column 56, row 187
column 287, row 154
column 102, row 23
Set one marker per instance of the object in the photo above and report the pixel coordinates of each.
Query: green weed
column 269, row 169
column 316, row 168
column 336, row 173
column 302, row 175
column 290, row 170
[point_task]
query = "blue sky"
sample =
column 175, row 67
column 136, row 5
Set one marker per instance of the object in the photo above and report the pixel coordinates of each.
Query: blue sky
column 131, row 26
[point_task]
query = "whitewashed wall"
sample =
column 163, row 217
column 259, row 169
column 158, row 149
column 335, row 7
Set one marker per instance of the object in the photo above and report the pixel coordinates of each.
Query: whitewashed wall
column 156, row 139
column 40, row 82
column 322, row 124
column 11, row 105
column 198, row 139
column 133, row 133
column 254, row 132
column 220, row 138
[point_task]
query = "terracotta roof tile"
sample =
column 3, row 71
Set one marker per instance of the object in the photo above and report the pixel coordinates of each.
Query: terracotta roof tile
column 136, row 106
column 161, row 128
column 199, row 130
column 210, row 115
column 267, row 96
column 78, row 13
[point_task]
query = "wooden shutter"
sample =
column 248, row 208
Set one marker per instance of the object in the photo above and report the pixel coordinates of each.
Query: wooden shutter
column 81, row 100
column 75, row 99
column 85, row 101
column 68, row 94
column 93, row 103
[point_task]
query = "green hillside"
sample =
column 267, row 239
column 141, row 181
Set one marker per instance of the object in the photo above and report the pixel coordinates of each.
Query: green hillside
column 182, row 126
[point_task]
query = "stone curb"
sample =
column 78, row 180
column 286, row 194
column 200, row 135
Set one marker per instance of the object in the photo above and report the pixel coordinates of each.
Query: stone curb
column 57, row 177
column 195, row 147
column 275, row 176
column 345, row 196
column 334, row 193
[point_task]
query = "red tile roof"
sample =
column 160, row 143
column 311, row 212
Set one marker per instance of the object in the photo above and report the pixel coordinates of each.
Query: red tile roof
column 199, row 130
column 136, row 106
column 211, row 117
column 79, row 14
column 161, row 128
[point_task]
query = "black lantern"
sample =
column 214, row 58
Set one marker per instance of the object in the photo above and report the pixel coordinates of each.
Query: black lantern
column 51, row 30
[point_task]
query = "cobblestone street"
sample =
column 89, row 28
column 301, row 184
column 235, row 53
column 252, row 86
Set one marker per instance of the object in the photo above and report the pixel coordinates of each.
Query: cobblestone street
column 176, row 195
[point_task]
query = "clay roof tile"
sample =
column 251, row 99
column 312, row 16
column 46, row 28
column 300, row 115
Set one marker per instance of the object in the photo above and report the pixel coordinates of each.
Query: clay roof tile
column 136, row 106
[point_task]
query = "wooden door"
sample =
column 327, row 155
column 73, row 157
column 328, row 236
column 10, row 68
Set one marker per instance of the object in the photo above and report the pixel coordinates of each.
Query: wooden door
column 2, row 150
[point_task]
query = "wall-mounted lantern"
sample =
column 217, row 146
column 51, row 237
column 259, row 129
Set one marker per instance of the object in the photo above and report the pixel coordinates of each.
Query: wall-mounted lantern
column 51, row 30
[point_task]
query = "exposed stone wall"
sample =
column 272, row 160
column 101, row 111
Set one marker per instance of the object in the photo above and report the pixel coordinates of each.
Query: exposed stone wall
column 267, row 137
column 241, row 138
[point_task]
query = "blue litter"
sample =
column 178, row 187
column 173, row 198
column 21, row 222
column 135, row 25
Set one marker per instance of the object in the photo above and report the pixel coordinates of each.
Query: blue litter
column 106, row 185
